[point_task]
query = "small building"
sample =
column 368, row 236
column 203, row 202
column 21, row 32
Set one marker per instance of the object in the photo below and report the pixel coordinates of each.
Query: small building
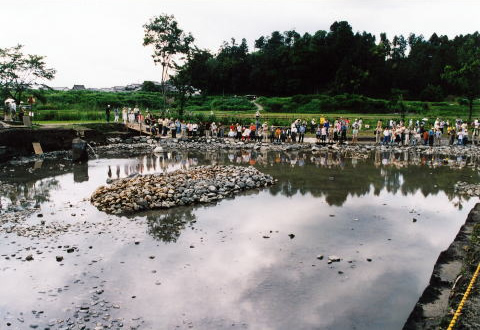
column 78, row 88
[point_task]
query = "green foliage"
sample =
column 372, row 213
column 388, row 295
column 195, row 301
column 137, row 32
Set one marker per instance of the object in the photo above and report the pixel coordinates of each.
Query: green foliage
column 79, row 100
column 325, row 104
column 19, row 72
column 231, row 103
column 169, row 42
column 432, row 93
column 150, row 86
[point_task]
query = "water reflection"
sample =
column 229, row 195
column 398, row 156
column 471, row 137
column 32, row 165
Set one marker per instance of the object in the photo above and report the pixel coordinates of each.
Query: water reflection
column 234, row 275
column 27, row 194
column 330, row 175
column 167, row 226
column 80, row 172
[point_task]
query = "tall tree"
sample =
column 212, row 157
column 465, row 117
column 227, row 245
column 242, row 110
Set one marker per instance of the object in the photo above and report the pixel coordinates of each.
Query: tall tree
column 170, row 44
column 466, row 73
column 20, row 72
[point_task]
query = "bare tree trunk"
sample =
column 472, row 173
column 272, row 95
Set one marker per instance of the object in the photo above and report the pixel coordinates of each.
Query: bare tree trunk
column 163, row 89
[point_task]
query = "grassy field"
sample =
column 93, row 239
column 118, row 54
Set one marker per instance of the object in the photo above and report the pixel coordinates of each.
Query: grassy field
column 81, row 107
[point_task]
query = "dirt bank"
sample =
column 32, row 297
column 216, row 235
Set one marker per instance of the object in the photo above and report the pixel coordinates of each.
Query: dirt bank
column 451, row 275
column 18, row 141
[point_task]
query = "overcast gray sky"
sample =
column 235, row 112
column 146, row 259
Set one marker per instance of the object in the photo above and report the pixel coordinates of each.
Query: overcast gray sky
column 98, row 43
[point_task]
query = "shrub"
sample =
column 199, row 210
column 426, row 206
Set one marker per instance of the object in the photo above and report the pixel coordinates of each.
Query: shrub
column 231, row 103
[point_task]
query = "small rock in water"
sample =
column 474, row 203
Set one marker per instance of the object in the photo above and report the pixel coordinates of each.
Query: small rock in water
column 333, row 258
column 320, row 257
column 291, row 236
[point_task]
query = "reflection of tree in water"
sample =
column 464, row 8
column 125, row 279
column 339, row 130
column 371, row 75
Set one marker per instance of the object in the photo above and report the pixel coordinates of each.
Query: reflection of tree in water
column 167, row 227
column 27, row 192
column 335, row 178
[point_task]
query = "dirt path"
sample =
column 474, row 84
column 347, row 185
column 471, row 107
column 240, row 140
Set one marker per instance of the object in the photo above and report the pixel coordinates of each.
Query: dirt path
column 259, row 106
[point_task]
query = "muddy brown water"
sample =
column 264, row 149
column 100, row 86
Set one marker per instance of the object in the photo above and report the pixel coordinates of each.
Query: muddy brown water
column 233, row 264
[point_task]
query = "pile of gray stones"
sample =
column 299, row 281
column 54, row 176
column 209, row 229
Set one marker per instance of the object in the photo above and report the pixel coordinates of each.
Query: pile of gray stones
column 202, row 184
column 467, row 189
column 147, row 144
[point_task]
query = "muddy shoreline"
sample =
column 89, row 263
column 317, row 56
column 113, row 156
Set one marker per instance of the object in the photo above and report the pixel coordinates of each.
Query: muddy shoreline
column 451, row 274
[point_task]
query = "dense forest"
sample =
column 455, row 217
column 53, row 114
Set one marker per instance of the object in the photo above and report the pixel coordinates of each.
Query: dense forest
column 340, row 61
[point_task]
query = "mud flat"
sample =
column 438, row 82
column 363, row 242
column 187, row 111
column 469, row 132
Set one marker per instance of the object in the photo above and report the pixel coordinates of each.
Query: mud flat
column 450, row 278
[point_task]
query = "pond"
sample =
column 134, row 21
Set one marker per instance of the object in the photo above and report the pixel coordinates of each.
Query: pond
column 256, row 261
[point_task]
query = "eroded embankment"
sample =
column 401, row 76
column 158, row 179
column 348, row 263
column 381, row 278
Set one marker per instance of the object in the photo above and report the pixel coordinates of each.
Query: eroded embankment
column 202, row 184
column 450, row 278
column 18, row 141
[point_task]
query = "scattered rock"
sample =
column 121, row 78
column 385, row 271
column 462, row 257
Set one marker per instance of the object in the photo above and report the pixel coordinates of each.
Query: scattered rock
column 333, row 258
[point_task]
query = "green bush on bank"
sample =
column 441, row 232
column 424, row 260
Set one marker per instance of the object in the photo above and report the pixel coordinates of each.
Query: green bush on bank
column 325, row 104
column 232, row 103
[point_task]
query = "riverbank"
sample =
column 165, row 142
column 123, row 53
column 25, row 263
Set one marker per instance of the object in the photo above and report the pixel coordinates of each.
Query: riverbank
column 15, row 142
column 450, row 278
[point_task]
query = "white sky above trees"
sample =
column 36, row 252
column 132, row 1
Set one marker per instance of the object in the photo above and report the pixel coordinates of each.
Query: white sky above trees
column 98, row 43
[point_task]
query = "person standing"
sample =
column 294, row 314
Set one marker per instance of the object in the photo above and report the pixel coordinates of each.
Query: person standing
column 301, row 132
column 265, row 132
column 116, row 115
column 124, row 115
column 313, row 126
column 107, row 113
column 355, row 128
column 378, row 132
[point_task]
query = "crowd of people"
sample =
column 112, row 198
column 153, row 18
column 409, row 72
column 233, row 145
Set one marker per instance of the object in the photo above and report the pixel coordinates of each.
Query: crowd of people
column 399, row 133
column 419, row 132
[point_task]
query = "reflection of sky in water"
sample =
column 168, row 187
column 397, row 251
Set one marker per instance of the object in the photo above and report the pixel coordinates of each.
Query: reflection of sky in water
column 233, row 275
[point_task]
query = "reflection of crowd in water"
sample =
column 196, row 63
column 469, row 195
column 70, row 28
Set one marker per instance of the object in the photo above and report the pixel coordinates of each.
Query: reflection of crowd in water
column 183, row 160
column 154, row 163
column 402, row 159
column 171, row 161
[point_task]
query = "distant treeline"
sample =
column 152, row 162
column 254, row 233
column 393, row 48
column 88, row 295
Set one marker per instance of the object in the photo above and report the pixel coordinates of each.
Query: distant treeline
column 332, row 62
column 92, row 100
